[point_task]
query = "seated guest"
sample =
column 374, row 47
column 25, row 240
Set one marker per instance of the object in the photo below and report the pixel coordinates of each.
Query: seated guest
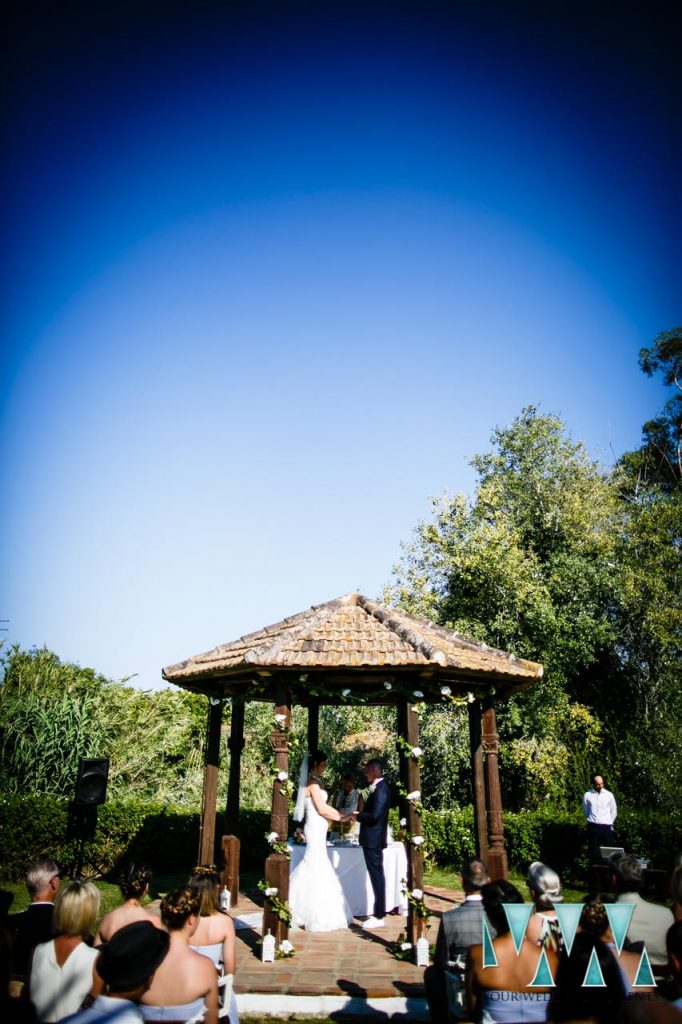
column 34, row 924
column 13, row 1009
column 185, row 983
column 504, row 993
column 673, row 942
column 61, row 972
column 134, row 884
column 572, row 1000
column 676, row 892
column 594, row 921
column 126, row 964
column 214, row 937
column 545, row 890
column 649, row 921
column 459, row 929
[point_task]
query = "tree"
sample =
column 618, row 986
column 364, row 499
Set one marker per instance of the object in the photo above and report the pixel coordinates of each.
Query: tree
column 659, row 459
column 555, row 560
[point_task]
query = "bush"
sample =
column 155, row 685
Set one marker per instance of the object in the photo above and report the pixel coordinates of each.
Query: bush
column 166, row 837
column 163, row 836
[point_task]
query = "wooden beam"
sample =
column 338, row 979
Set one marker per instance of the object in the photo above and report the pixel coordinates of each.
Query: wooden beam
column 497, row 855
column 279, row 817
column 415, row 862
column 235, row 745
column 313, row 726
column 478, row 781
column 210, row 790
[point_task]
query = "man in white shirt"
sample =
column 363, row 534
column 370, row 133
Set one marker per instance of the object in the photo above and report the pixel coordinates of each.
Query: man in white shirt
column 599, row 808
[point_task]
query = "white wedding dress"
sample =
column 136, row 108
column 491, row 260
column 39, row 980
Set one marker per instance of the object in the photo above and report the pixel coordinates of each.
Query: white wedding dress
column 315, row 895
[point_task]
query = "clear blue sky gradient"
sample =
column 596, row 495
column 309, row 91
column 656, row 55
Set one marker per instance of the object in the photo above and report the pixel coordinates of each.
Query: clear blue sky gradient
column 273, row 274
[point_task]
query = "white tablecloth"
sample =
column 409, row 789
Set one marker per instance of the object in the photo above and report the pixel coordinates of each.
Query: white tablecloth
column 349, row 865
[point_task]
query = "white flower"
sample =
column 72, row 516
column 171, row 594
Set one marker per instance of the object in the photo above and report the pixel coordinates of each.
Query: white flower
column 414, row 795
column 345, row 693
column 388, row 686
column 282, row 776
column 405, row 946
column 417, row 894
column 285, row 946
column 417, row 840
column 280, row 719
column 403, row 822
column 273, row 837
column 416, row 751
column 470, row 697
column 446, row 691
column 272, row 890
column 418, row 694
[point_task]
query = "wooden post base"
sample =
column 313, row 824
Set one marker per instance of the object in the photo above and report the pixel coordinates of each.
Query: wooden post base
column 497, row 864
column 276, row 876
column 231, row 850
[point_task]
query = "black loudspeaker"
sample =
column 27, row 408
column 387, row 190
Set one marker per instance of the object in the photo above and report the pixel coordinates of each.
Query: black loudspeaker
column 81, row 824
column 91, row 784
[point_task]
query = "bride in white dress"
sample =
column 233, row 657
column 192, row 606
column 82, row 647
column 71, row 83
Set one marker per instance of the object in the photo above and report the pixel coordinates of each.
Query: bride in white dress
column 315, row 895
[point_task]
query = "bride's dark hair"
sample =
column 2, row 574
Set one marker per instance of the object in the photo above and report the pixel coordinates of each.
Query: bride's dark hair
column 316, row 757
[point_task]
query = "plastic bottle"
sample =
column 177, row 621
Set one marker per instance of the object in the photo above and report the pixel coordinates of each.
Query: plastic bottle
column 225, row 898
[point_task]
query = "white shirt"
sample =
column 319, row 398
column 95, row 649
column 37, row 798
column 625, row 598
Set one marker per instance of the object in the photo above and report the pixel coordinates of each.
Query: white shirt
column 56, row 991
column 599, row 807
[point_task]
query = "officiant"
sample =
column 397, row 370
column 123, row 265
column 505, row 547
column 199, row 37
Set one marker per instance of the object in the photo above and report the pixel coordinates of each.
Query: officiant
column 348, row 798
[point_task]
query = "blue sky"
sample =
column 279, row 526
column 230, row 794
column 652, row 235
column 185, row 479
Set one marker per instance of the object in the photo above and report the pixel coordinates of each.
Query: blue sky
column 273, row 274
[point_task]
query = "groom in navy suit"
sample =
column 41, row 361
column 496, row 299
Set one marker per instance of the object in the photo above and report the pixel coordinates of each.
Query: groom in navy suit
column 373, row 826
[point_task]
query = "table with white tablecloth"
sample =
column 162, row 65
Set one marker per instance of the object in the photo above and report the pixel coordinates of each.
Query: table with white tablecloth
column 350, row 869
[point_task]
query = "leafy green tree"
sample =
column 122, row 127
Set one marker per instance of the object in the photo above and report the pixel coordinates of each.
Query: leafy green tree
column 658, row 461
column 557, row 561
column 52, row 713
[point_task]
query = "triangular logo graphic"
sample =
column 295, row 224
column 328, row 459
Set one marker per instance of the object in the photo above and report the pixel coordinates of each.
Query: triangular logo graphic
column 518, row 915
column 593, row 975
column 543, row 975
column 489, row 958
column 619, row 915
column 645, row 976
column 568, row 916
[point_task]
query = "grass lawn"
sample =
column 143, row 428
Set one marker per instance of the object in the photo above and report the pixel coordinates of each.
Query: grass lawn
column 447, row 878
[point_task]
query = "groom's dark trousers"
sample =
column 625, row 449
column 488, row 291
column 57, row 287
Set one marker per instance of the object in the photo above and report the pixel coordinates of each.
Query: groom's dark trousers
column 373, row 825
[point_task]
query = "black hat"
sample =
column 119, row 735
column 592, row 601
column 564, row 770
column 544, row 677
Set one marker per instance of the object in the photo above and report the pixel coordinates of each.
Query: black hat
column 132, row 954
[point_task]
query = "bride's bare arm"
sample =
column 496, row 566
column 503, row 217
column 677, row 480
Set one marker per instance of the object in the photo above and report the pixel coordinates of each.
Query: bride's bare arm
column 321, row 806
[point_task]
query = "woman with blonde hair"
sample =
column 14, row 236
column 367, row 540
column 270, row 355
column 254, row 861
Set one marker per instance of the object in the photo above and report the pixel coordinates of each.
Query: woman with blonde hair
column 185, row 984
column 61, row 972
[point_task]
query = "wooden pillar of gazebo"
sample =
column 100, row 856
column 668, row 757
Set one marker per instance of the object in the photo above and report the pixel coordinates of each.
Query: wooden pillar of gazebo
column 210, row 791
column 313, row 726
column 478, row 781
column 277, row 864
column 236, row 746
column 490, row 741
column 408, row 727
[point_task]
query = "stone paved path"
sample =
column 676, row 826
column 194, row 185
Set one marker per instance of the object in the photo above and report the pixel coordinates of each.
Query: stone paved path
column 351, row 963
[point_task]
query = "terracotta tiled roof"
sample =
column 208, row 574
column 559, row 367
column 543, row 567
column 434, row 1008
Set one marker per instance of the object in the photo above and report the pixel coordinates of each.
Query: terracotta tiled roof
column 350, row 633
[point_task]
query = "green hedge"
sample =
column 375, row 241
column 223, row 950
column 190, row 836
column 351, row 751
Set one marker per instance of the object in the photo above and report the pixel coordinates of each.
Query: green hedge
column 166, row 837
column 163, row 836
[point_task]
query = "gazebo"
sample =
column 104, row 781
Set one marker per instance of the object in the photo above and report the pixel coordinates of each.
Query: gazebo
column 351, row 651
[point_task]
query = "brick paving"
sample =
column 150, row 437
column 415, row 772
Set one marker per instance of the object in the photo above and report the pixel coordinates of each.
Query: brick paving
column 350, row 963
